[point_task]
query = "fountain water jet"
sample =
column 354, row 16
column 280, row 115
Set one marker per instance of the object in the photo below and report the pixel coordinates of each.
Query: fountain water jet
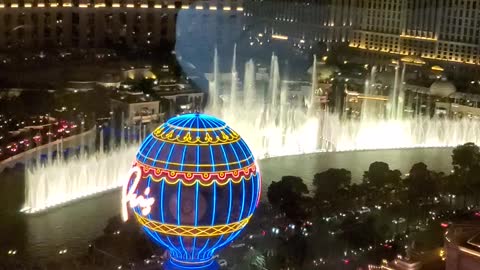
column 283, row 126
column 272, row 123
column 61, row 180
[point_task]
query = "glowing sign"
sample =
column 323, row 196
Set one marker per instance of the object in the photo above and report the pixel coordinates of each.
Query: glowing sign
column 132, row 199
column 193, row 187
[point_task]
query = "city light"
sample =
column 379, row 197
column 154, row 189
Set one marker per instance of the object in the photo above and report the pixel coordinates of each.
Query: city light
column 281, row 37
column 418, row 37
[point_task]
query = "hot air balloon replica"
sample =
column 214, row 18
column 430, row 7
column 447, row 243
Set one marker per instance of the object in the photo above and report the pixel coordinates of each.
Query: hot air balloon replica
column 193, row 187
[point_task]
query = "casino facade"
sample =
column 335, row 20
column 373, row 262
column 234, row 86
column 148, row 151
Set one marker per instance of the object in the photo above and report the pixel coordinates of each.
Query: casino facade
column 97, row 23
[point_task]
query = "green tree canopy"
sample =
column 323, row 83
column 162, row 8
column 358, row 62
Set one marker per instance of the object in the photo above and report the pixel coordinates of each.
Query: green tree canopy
column 380, row 175
column 328, row 182
column 466, row 166
column 288, row 196
column 421, row 183
column 465, row 157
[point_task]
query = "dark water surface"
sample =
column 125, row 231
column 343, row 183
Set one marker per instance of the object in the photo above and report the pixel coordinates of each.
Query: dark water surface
column 73, row 226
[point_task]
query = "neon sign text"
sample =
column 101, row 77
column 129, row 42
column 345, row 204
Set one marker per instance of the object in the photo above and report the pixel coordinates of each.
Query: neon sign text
column 131, row 198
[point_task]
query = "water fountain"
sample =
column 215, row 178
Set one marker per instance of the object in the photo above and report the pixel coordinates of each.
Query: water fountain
column 276, row 125
column 60, row 181
column 270, row 121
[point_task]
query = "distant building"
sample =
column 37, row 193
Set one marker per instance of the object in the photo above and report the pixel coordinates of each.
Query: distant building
column 462, row 247
column 446, row 30
column 136, row 107
column 303, row 22
column 96, row 23
column 137, row 73
column 182, row 98
column 441, row 98
column 354, row 101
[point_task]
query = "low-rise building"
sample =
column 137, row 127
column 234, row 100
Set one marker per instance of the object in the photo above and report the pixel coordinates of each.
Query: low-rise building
column 136, row 107
column 441, row 98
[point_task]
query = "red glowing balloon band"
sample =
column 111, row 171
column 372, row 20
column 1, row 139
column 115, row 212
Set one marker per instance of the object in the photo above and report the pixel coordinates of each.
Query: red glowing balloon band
column 190, row 178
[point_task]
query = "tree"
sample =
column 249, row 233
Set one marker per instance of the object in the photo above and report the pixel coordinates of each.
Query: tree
column 380, row 183
column 465, row 157
column 421, row 183
column 379, row 175
column 328, row 182
column 451, row 187
column 422, row 186
column 252, row 260
column 288, row 196
column 358, row 234
column 466, row 166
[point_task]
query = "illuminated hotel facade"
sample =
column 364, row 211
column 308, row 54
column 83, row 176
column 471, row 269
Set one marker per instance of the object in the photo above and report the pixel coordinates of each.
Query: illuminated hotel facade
column 96, row 23
column 446, row 30
column 317, row 20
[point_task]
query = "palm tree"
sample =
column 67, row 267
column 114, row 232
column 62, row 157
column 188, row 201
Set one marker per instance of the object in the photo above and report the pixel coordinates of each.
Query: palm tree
column 253, row 260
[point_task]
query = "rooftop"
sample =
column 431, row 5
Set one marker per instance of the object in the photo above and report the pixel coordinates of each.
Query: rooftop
column 132, row 97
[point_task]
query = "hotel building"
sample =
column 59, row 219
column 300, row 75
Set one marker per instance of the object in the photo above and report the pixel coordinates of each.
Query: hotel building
column 96, row 23
column 317, row 20
column 445, row 30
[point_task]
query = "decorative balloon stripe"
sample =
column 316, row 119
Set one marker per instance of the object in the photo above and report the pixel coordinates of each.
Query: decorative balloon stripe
column 201, row 182
column 204, row 178
column 206, row 165
column 173, row 136
column 192, row 231
column 195, row 129
column 236, row 173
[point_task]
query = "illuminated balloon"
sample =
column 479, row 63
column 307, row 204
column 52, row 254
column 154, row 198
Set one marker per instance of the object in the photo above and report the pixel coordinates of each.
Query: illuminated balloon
column 193, row 187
